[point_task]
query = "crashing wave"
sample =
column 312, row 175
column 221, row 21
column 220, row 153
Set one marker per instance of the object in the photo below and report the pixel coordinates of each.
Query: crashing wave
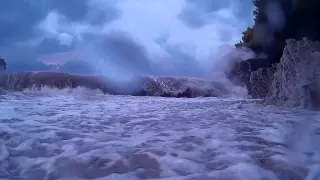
column 139, row 86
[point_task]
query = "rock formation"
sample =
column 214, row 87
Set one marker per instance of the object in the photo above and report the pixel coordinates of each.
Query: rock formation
column 294, row 81
column 3, row 64
column 261, row 81
column 297, row 79
column 140, row 86
column 255, row 74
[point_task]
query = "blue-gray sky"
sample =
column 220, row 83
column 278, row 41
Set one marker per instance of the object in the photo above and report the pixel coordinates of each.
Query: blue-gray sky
column 148, row 36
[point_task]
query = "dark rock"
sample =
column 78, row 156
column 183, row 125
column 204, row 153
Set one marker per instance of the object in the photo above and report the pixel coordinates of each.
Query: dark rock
column 254, row 64
column 243, row 71
column 3, row 64
column 233, row 75
column 261, row 81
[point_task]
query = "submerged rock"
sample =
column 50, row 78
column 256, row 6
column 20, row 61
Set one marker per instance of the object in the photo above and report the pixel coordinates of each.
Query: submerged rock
column 297, row 79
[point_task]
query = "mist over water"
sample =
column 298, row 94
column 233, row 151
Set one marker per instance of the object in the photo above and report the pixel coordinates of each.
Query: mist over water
column 178, row 63
column 120, row 56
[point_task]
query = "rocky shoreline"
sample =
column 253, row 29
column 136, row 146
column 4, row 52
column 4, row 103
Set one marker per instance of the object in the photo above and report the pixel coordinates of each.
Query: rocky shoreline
column 293, row 82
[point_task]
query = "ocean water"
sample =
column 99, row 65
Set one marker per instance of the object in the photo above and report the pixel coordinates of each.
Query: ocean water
column 81, row 134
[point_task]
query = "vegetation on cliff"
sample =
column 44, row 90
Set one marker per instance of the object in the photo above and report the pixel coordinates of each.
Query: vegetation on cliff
column 278, row 20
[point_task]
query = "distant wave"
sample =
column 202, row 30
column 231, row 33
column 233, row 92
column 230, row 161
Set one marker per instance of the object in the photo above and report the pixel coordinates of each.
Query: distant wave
column 139, row 86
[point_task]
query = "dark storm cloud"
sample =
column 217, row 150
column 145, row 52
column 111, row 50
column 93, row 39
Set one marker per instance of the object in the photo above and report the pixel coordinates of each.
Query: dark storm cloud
column 199, row 13
column 119, row 54
column 19, row 20
column 126, row 54
column 125, row 51
column 50, row 45
column 74, row 10
column 85, row 11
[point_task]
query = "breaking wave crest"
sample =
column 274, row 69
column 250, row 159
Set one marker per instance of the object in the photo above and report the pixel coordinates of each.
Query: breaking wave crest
column 140, row 86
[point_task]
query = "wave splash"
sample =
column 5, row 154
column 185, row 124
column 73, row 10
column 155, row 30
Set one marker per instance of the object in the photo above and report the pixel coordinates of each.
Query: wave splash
column 138, row 86
column 88, row 136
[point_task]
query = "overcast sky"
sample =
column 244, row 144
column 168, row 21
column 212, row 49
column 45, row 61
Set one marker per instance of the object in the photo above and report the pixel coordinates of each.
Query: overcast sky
column 129, row 33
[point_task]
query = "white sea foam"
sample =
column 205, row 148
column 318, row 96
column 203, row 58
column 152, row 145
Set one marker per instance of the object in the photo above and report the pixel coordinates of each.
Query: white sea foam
column 82, row 134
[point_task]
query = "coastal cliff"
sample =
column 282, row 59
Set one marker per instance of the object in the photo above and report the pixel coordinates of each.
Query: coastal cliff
column 293, row 82
column 288, row 75
column 297, row 79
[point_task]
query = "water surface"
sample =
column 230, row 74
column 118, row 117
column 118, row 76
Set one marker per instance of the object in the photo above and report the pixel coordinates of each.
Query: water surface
column 83, row 134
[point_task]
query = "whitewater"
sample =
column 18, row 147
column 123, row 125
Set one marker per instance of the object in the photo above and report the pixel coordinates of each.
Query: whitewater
column 69, row 134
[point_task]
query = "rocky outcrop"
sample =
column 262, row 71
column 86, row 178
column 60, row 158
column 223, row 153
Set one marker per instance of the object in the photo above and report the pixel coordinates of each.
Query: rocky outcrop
column 3, row 64
column 293, row 82
column 140, row 86
column 261, row 81
column 297, row 79
column 256, row 74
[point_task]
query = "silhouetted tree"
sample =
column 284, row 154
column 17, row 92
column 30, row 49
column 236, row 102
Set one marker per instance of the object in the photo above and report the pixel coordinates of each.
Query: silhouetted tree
column 301, row 19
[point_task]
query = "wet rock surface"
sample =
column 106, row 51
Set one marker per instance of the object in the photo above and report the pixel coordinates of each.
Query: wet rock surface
column 256, row 74
column 297, row 79
column 293, row 82
column 261, row 81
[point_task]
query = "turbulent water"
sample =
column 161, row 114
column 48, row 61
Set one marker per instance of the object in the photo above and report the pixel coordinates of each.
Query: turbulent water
column 81, row 134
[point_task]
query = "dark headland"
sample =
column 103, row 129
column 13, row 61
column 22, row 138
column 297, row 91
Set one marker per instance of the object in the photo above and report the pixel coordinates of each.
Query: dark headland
column 289, row 75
